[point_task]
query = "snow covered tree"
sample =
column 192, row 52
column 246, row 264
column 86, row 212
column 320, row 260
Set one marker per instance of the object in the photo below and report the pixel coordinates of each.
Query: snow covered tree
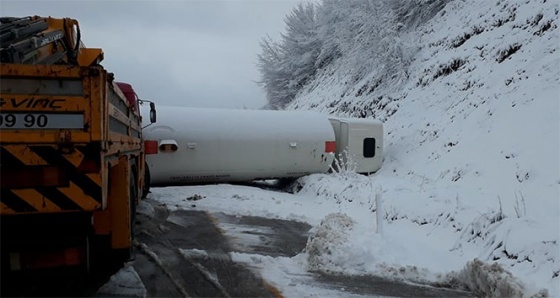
column 329, row 17
column 301, row 45
column 272, row 74
column 412, row 13
column 287, row 66
column 366, row 34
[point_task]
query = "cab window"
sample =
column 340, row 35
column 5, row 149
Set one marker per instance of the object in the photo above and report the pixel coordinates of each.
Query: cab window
column 369, row 147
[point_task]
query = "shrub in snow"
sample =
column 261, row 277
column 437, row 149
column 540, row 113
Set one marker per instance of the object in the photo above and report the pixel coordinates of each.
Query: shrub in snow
column 488, row 280
column 481, row 228
column 516, row 243
column 346, row 186
column 344, row 163
column 343, row 245
column 323, row 248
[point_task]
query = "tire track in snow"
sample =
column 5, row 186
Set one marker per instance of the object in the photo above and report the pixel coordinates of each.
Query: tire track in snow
column 155, row 258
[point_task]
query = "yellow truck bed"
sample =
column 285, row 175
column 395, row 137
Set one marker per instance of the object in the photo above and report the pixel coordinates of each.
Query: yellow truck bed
column 61, row 126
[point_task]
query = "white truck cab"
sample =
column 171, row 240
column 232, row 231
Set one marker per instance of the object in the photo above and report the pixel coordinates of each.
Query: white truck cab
column 359, row 143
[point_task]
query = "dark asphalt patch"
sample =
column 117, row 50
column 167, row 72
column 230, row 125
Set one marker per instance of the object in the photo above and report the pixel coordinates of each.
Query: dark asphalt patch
column 166, row 233
column 374, row 285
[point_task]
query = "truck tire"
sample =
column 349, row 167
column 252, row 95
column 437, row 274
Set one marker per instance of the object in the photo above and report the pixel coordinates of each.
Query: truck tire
column 146, row 186
column 133, row 201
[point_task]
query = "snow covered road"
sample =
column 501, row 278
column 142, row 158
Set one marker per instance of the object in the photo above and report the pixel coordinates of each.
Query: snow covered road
column 196, row 251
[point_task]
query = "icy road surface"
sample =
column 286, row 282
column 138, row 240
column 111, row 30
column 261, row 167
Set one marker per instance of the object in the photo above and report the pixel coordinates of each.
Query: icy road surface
column 186, row 249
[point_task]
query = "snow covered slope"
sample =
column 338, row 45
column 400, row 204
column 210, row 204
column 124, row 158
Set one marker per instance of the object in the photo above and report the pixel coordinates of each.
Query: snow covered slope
column 472, row 139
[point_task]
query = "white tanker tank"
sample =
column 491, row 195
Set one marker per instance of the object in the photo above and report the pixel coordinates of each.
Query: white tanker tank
column 197, row 145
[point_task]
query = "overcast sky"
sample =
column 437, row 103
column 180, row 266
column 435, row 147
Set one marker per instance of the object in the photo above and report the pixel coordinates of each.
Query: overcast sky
column 188, row 53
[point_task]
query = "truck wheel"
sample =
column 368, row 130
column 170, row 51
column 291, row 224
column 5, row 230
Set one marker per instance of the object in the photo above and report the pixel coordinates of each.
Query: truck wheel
column 133, row 201
column 146, row 188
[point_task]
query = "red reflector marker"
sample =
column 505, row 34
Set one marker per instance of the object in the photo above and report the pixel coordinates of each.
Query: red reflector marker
column 151, row 147
column 330, row 147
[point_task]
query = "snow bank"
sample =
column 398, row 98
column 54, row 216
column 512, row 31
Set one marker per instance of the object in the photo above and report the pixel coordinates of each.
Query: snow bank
column 426, row 241
column 324, row 247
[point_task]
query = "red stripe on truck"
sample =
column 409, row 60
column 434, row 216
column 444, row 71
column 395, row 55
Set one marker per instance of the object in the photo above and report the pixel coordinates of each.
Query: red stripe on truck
column 330, row 147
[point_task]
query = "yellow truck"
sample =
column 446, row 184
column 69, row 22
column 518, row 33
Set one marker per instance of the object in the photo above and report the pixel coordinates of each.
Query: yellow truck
column 71, row 151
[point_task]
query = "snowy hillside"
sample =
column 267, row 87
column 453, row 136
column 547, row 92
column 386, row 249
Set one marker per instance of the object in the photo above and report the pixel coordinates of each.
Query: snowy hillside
column 472, row 135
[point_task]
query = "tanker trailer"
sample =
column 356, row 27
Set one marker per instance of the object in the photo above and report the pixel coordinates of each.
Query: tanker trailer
column 199, row 145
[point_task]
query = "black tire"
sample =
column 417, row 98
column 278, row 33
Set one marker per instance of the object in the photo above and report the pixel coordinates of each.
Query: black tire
column 133, row 202
column 133, row 197
column 146, row 186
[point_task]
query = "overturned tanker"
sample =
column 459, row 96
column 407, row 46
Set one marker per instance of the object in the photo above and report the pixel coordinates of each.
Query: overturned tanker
column 197, row 145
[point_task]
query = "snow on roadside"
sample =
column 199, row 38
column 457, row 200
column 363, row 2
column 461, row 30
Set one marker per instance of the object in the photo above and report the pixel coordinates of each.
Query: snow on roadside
column 436, row 230
column 290, row 276
column 243, row 200
column 125, row 283
column 426, row 238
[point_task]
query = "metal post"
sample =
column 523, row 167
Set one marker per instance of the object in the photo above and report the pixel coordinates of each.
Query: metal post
column 379, row 211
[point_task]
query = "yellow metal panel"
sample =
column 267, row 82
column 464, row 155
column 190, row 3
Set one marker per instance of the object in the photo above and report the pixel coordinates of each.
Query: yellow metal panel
column 115, row 219
column 122, row 143
column 24, row 154
column 95, row 177
column 79, row 197
column 42, row 136
column 120, row 204
column 38, row 70
column 43, row 103
column 104, row 182
column 93, row 86
column 5, row 210
column 74, row 158
column 37, row 200
column 73, row 193
column 90, row 56
column 92, row 103
column 125, row 140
